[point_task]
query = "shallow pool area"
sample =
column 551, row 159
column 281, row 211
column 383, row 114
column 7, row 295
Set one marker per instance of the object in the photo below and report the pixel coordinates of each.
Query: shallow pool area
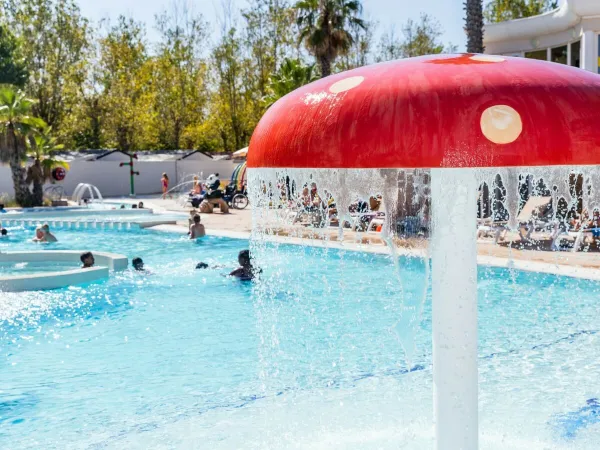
column 328, row 349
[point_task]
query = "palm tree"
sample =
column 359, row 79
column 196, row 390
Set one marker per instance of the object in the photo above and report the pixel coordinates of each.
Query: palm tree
column 17, row 125
column 474, row 26
column 42, row 146
column 291, row 75
column 325, row 27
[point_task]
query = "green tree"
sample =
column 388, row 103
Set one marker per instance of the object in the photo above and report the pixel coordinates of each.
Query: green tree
column 326, row 28
column 360, row 51
column 42, row 147
column 474, row 25
column 419, row 38
column 126, row 79
column 179, row 75
column 54, row 37
column 12, row 65
column 267, row 38
column 230, row 101
column 18, row 124
column 292, row 75
column 502, row 10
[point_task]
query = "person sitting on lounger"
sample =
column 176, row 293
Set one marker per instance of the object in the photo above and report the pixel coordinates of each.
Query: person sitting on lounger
column 87, row 260
column 197, row 229
column 246, row 271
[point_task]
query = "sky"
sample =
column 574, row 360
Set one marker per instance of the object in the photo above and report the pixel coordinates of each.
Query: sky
column 387, row 13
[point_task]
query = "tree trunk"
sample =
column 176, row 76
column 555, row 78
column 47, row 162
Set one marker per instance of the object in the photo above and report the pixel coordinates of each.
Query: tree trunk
column 22, row 194
column 325, row 65
column 474, row 26
column 37, row 178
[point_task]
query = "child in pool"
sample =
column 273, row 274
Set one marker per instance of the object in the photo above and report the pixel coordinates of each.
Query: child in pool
column 197, row 229
column 246, row 271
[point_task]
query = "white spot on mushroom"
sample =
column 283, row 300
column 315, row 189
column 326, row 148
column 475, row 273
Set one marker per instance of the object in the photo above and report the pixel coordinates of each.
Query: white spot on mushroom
column 345, row 85
column 501, row 124
column 487, row 58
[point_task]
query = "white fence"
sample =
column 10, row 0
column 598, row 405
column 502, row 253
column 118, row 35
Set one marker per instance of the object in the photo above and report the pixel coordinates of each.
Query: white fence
column 113, row 180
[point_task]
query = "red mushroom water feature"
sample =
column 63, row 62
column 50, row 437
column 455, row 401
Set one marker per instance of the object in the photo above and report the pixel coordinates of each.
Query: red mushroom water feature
column 464, row 117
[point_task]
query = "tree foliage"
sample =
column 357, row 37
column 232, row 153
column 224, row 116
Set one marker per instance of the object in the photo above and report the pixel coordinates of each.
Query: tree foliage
column 106, row 86
column 12, row 65
column 501, row 10
column 418, row 39
column 54, row 38
column 292, row 74
column 326, row 28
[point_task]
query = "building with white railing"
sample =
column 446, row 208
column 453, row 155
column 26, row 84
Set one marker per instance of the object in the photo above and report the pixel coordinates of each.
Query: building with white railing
column 568, row 35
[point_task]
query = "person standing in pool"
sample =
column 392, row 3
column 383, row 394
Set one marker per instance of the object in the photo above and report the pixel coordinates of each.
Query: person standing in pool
column 246, row 271
column 39, row 235
column 197, row 230
column 87, row 260
column 48, row 237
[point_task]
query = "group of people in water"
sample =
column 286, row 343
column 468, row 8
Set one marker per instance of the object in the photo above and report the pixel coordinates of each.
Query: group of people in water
column 245, row 271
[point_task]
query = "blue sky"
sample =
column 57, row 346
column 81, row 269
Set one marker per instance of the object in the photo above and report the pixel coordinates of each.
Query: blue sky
column 387, row 12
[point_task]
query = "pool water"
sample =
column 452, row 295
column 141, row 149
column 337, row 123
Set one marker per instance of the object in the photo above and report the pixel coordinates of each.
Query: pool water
column 309, row 356
column 14, row 269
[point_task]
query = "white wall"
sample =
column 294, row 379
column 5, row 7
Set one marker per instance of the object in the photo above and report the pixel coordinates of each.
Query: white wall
column 113, row 180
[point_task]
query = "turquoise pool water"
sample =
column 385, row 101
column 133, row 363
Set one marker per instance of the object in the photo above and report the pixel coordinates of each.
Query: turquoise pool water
column 310, row 356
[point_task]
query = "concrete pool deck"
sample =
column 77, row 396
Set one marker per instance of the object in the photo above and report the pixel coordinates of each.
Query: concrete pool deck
column 238, row 224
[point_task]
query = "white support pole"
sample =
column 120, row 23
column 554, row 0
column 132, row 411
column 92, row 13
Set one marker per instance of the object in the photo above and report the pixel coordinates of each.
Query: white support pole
column 589, row 52
column 454, row 288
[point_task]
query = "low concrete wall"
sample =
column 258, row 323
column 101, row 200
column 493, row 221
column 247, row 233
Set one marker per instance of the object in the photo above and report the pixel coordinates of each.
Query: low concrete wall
column 113, row 181
column 55, row 280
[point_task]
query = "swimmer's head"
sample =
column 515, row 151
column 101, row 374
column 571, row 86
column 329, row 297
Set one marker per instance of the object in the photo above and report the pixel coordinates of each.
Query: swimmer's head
column 46, row 228
column 87, row 259
column 197, row 218
column 137, row 263
column 141, row 205
column 122, row 206
column 201, row 265
column 39, row 233
column 244, row 258
column 4, row 232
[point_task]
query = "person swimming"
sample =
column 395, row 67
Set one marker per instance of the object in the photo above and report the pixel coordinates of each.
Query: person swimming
column 138, row 264
column 3, row 232
column 246, row 271
column 87, row 260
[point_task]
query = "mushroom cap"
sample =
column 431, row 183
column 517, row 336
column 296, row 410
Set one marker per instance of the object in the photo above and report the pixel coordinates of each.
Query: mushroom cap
column 436, row 111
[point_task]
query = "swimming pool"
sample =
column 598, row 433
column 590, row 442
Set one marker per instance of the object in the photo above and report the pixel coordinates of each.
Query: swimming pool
column 309, row 357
